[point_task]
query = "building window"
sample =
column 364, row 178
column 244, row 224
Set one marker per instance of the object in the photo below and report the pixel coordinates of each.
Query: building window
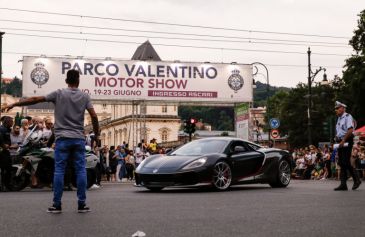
column 164, row 109
column 104, row 106
column 164, row 136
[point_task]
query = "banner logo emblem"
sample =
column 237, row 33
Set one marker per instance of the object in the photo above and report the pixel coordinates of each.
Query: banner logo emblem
column 235, row 81
column 39, row 75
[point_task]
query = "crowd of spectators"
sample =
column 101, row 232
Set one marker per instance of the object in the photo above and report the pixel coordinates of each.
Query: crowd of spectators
column 117, row 163
column 319, row 163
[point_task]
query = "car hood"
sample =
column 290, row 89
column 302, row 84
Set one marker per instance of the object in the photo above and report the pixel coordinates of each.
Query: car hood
column 168, row 163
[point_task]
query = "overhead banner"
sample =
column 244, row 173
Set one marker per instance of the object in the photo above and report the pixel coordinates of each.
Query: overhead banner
column 242, row 112
column 141, row 80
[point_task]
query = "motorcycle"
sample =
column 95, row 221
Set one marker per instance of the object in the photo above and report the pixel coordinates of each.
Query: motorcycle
column 33, row 158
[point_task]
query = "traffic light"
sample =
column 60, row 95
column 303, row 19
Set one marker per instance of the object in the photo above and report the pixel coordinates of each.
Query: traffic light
column 193, row 121
column 189, row 126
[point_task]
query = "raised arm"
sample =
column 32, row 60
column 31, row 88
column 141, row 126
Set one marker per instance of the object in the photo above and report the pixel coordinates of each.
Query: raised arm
column 25, row 102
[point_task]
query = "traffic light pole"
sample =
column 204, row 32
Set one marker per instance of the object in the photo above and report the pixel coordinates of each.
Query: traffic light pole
column 267, row 96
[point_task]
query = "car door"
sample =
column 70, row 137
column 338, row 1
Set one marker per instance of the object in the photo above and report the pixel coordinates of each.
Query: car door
column 245, row 160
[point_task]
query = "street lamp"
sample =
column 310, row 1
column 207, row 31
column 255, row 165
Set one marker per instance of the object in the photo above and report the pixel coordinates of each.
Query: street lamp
column 267, row 92
column 311, row 76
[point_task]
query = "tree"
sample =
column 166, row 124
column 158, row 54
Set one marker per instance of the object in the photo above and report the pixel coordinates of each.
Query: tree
column 353, row 88
column 260, row 93
column 221, row 118
column 275, row 104
column 14, row 88
column 292, row 109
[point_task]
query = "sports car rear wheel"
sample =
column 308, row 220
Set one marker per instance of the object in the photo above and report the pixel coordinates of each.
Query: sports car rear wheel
column 222, row 176
column 283, row 176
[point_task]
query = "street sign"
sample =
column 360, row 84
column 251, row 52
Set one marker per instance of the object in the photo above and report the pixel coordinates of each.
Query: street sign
column 274, row 123
column 275, row 133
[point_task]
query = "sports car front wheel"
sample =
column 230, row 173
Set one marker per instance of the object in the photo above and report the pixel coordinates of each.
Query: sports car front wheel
column 222, row 176
column 282, row 178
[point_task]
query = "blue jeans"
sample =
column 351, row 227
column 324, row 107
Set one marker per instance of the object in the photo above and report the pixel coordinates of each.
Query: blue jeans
column 67, row 148
column 122, row 170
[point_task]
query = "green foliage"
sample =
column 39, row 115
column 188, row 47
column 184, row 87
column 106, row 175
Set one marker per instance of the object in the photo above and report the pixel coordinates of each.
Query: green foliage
column 291, row 107
column 358, row 40
column 292, row 110
column 353, row 88
column 14, row 88
column 221, row 118
column 260, row 93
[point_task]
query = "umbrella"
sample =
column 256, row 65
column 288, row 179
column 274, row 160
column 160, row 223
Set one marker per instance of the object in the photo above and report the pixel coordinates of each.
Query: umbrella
column 360, row 131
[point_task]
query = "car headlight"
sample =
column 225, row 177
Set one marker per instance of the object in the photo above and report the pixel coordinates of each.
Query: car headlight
column 196, row 163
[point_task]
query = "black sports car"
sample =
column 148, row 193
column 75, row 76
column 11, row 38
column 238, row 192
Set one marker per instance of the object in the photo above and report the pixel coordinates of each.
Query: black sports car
column 220, row 162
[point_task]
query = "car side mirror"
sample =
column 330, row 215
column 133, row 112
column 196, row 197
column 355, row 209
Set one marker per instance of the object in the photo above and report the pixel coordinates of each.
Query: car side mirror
column 239, row 149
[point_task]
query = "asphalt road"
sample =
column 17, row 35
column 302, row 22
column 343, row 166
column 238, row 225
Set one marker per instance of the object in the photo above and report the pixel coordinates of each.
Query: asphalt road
column 305, row 208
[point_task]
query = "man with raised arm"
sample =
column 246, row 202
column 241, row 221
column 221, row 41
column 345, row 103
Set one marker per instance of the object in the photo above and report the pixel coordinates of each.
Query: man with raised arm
column 70, row 105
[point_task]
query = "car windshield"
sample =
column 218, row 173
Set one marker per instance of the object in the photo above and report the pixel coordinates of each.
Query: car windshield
column 200, row 147
column 254, row 146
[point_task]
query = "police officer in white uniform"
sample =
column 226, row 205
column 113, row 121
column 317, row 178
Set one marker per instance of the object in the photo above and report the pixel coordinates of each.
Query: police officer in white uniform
column 345, row 139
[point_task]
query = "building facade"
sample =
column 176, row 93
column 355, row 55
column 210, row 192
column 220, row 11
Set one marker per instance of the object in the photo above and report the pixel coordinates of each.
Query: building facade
column 132, row 123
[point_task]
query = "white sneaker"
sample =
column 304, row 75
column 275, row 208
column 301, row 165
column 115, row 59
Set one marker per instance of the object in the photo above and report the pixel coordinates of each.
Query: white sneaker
column 95, row 186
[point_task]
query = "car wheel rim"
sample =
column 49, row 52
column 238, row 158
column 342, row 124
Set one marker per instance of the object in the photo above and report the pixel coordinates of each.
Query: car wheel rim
column 284, row 170
column 222, row 177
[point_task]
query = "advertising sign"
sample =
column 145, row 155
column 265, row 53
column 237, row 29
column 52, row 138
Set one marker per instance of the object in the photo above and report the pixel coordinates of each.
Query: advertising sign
column 141, row 80
column 242, row 120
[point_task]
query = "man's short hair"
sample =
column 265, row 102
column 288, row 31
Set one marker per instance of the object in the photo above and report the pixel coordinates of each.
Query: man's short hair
column 6, row 119
column 73, row 77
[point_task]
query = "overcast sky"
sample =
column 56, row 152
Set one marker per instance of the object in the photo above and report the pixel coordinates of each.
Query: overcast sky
column 315, row 17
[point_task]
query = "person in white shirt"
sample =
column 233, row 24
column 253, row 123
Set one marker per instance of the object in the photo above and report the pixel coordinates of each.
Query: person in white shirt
column 47, row 130
column 24, row 128
column 139, row 154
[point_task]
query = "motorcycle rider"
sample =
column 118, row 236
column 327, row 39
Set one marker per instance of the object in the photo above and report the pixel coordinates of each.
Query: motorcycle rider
column 70, row 105
column 5, row 145
column 16, row 139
